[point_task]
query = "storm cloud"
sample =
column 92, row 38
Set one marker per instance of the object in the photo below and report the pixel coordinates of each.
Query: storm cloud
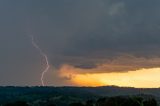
column 94, row 35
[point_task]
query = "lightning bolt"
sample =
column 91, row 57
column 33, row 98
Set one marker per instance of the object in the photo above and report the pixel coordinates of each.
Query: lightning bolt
column 35, row 45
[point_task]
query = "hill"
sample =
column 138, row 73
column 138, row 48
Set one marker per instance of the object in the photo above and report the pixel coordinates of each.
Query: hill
column 63, row 96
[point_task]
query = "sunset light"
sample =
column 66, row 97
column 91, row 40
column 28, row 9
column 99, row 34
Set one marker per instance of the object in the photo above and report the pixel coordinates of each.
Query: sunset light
column 143, row 78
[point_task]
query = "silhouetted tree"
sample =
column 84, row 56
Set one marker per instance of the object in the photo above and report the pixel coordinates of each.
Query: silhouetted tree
column 101, row 102
column 18, row 103
column 76, row 104
column 125, row 101
column 150, row 102
column 51, row 105
column 89, row 103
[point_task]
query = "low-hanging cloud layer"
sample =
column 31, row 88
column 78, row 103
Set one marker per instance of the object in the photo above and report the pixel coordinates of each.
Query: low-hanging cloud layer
column 89, row 36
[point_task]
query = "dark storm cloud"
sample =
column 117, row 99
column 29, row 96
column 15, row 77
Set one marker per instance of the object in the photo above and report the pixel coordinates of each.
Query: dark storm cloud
column 82, row 33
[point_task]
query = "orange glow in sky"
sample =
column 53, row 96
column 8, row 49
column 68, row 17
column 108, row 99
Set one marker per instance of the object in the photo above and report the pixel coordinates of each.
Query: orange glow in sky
column 143, row 78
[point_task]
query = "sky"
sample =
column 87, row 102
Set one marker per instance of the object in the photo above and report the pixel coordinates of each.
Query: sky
column 87, row 42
